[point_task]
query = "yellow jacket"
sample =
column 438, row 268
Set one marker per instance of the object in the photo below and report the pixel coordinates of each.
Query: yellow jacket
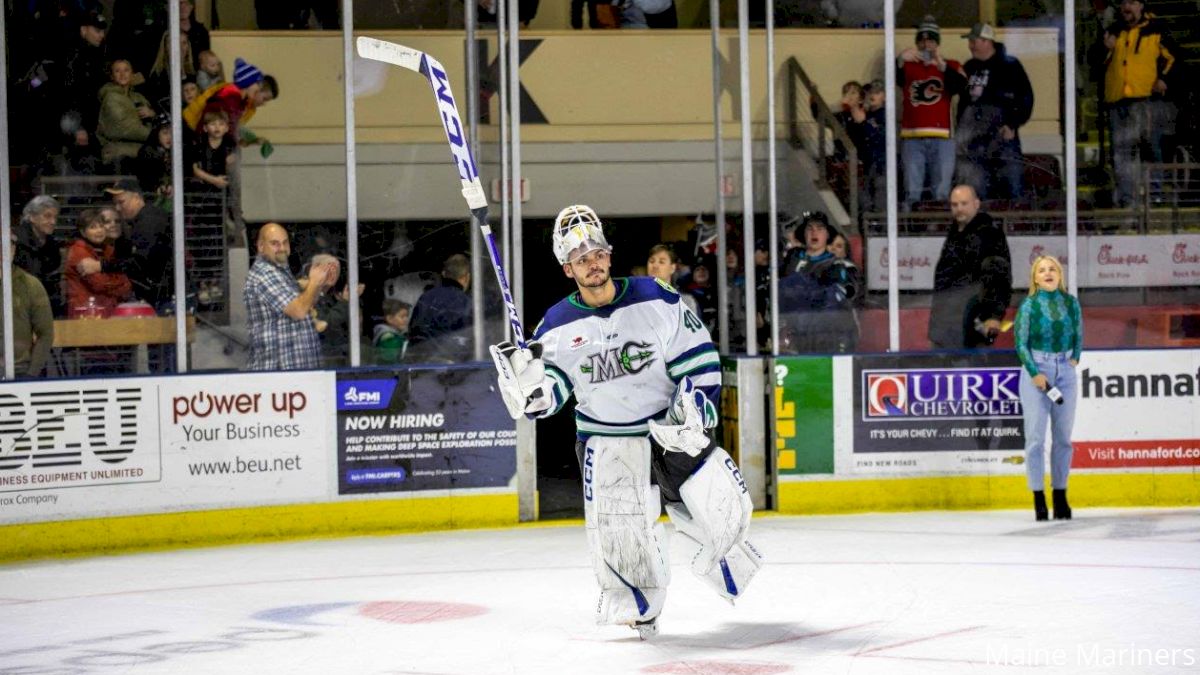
column 1142, row 55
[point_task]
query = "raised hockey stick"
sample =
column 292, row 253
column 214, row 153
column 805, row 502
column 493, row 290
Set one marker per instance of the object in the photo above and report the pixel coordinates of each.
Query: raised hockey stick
column 460, row 150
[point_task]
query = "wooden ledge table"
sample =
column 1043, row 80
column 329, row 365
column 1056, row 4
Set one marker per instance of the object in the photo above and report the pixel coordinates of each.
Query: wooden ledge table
column 140, row 332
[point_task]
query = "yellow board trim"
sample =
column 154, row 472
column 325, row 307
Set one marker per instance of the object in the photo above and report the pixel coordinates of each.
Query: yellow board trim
column 983, row 492
column 266, row 523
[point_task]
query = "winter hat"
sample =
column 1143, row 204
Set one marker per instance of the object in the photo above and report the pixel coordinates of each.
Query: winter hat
column 928, row 28
column 982, row 31
column 245, row 74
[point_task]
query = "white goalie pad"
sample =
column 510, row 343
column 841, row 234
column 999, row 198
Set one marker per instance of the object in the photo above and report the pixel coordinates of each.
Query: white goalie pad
column 718, row 510
column 627, row 543
column 732, row 574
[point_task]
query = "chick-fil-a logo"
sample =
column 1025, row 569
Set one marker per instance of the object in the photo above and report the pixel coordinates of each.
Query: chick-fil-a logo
column 905, row 261
column 1180, row 255
column 1038, row 251
column 1107, row 257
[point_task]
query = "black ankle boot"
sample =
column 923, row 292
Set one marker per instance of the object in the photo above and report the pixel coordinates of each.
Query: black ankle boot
column 1062, row 510
column 1039, row 505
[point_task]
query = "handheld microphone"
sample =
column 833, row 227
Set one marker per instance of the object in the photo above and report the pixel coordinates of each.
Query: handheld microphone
column 1054, row 395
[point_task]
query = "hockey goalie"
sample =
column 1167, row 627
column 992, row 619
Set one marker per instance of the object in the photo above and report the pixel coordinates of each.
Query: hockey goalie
column 646, row 377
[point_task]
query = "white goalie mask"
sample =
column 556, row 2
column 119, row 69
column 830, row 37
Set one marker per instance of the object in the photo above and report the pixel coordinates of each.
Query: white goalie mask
column 577, row 230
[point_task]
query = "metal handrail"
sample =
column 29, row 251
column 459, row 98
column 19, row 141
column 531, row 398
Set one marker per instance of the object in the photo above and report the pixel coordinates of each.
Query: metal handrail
column 825, row 120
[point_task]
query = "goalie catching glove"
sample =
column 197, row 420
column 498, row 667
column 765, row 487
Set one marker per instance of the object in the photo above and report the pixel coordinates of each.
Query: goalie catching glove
column 521, row 378
column 689, row 417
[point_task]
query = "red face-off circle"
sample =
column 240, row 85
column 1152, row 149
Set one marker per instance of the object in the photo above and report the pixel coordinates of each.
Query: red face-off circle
column 718, row 668
column 419, row 612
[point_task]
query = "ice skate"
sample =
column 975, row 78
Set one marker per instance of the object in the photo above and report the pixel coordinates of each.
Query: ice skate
column 646, row 629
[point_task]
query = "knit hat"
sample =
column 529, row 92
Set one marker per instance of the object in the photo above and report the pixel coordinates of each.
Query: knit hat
column 245, row 74
column 928, row 28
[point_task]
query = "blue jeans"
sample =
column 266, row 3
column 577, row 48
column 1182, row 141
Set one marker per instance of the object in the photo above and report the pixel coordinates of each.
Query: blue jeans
column 1038, row 409
column 927, row 161
column 1136, row 125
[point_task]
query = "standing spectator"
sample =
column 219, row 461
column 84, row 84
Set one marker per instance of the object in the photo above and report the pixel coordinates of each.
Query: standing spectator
column 159, row 83
column 648, row 14
column 998, row 100
column 814, row 307
column 283, row 332
column 928, row 82
column 153, row 251
column 839, row 246
column 973, row 238
column 333, row 313
column 1049, row 338
column 33, row 322
column 87, row 71
column 440, row 331
column 92, row 292
column 196, row 32
column 735, row 279
column 600, row 14
column 1139, row 62
column 211, row 157
column 872, row 147
column 211, row 70
column 989, row 300
column 125, row 117
column 39, row 252
column 391, row 336
column 526, row 10
column 853, row 112
column 154, row 162
column 249, row 91
column 793, row 245
column 662, row 264
column 701, row 287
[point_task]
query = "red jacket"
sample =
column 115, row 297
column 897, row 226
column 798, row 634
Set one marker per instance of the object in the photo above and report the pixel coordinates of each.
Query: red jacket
column 109, row 289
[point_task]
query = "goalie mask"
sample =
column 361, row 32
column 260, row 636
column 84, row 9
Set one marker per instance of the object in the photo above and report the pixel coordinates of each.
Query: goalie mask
column 577, row 230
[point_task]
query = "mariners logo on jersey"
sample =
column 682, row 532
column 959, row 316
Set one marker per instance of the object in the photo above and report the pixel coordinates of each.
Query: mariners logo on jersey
column 628, row 359
column 926, row 92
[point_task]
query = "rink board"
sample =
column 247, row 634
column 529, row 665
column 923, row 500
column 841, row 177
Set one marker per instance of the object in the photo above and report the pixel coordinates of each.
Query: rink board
column 94, row 465
column 944, row 431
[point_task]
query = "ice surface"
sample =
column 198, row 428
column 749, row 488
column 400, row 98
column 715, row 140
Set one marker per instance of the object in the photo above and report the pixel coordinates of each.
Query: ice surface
column 1111, row 591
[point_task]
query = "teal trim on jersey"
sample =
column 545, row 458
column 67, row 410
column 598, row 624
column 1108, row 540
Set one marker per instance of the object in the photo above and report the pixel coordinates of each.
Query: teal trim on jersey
column 622, row 285
column 562, row 387
column 589, row 429
column 693, row 364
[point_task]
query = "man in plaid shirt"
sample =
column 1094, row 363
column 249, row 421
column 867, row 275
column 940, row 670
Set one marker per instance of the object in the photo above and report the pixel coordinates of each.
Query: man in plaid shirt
column 283, row 333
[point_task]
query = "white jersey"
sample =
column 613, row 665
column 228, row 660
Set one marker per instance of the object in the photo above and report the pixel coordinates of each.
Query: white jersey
column 622, row 361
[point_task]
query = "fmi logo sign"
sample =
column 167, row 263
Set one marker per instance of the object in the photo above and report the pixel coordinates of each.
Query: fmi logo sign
column 58, row 437
column 950, row 393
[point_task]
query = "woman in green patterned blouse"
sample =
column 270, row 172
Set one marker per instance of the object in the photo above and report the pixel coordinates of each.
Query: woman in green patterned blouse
column 1049, row 336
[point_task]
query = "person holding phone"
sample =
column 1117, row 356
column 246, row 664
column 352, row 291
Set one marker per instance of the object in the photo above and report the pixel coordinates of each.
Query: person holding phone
column 928, row 83
column 1049, row 339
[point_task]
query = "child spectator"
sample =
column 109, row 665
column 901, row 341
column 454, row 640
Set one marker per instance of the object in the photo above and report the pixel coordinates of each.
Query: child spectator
column 154, row 162
column 249, row 91
column 391, row 336
column 125, row 117
column 211, row 71
column 213, row 153
column 702, row 288
column 190, row 91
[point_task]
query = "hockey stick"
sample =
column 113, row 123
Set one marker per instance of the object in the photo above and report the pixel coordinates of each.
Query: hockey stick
column 460, row 150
